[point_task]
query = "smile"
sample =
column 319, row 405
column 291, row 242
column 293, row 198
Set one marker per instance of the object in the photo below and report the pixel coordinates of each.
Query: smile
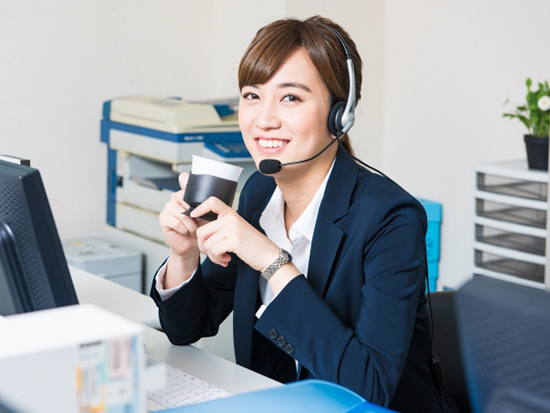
column 271, row 143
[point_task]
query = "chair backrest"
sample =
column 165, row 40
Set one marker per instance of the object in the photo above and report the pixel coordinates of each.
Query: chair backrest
column 508, row 400
column 504, row 331
column 447, row 348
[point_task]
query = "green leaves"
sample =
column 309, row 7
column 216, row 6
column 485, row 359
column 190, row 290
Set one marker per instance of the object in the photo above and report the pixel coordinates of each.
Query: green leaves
column 535, row 119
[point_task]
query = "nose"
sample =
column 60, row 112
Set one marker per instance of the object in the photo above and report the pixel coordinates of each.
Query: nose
column 267, row 116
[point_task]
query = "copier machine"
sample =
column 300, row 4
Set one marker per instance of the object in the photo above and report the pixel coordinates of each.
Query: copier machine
column 150, row 141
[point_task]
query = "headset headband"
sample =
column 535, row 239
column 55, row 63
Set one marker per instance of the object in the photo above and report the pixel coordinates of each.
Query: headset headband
column 348, row 116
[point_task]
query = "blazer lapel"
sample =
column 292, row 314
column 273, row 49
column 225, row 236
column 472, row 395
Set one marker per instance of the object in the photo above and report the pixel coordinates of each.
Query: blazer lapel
column 327, row 235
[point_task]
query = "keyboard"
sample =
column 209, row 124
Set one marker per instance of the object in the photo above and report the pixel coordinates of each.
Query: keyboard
column 182, row 389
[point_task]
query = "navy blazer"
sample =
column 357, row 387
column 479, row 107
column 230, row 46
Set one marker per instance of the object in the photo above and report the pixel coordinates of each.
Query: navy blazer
column 358, row 319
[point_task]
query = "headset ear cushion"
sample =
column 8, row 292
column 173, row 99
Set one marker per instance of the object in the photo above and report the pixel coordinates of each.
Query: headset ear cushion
column 335, row 117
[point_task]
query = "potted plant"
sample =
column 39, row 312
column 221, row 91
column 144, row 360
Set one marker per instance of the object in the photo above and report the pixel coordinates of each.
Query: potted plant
column 535, row 115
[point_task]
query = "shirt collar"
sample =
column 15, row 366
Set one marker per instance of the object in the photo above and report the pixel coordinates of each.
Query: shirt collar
column 272, row 220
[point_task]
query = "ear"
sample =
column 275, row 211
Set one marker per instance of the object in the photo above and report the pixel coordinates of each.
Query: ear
column 335, row 117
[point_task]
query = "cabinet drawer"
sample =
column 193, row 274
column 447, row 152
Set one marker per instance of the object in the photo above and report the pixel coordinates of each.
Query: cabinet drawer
column 509, row 266
column 518, row 215
column 519, row 242
column 512, row 187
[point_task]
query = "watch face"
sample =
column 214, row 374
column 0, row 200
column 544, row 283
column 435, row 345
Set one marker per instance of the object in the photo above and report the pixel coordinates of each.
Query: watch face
column 287, row 255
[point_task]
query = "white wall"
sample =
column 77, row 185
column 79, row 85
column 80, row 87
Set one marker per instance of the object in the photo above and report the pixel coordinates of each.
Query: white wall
column 448, row 65
column 60, row 59
column 434, row 77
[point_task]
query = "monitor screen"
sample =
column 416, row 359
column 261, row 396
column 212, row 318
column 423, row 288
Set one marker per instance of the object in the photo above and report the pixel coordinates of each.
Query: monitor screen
column 33, row 270
column 14, row 289
column 504, row 333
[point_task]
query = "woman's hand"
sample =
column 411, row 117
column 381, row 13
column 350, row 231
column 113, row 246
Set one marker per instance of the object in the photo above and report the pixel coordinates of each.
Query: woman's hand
column 180, row 233
column 231, row 233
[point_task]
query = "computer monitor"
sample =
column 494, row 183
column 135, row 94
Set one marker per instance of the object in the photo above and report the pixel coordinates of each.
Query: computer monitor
column 504, row 331
column 33, row 270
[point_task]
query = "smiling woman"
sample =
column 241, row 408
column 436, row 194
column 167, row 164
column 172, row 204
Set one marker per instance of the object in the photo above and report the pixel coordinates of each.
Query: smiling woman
column 323, row 264
column 271, row 48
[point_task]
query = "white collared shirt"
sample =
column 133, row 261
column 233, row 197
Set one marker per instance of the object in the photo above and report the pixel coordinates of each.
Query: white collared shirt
column 272, row 221
column 300, row 235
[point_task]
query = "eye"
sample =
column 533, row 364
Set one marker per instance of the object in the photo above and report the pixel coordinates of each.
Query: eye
column 291, row 98
column 250, row 96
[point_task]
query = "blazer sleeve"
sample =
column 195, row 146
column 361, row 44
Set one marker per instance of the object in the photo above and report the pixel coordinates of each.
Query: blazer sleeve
column 366, row 354
column 197, row 309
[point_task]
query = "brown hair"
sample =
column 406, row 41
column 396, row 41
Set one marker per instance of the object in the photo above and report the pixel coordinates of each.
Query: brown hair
column 276, row 41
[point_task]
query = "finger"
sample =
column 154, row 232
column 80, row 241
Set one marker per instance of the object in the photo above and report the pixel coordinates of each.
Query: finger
column 212, row 204
column 220, row 252
column 177, row 222
column 183, row 178
column 205, row 231
column 207, row 228
column 220, row 259
column 190, row 224
column 170, row 222
column 177, row 198
column 207, row 243
column 176, row 205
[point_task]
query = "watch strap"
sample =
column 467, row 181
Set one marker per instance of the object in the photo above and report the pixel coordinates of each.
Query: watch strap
column 283, row 258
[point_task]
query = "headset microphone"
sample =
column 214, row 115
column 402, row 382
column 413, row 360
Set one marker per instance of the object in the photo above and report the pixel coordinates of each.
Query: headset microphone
column 272, row 166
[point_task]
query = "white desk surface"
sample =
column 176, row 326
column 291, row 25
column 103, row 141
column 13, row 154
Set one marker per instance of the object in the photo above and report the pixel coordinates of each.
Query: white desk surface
column 140, row 308
column 114, row 297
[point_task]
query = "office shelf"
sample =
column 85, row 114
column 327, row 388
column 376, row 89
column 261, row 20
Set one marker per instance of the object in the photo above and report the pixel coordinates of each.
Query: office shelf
column 514, row 241
column 510, row 223
column 519, row 189
column 509, row 266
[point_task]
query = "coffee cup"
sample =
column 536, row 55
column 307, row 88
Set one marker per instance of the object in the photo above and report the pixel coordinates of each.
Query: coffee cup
column 208, row 178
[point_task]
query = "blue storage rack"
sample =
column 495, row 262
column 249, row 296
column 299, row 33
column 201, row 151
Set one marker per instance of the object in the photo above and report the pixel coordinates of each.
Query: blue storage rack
column 433, row 236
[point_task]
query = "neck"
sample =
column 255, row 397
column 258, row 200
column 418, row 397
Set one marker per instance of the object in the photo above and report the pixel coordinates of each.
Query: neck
column 301, row 183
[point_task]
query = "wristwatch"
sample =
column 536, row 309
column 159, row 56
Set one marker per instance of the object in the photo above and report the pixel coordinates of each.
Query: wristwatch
column 282, row 259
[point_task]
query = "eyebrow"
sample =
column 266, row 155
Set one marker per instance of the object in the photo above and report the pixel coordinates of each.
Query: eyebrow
column 296, row 85
column 285, row 85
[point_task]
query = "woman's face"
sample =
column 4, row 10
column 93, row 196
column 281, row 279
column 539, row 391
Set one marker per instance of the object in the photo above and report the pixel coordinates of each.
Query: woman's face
column 286, row 117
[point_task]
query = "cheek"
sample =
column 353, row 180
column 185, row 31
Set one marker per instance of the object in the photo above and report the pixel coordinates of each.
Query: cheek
column 246, row 120
column 314, row 123
column 244, row 117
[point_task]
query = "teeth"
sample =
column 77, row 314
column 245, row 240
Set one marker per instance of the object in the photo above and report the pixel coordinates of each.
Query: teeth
column 271, row 143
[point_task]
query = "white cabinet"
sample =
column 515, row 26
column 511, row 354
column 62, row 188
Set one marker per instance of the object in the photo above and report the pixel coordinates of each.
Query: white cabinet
column 511, row 220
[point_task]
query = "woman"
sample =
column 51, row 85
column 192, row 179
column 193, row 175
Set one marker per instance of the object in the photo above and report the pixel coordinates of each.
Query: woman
column 323, row 264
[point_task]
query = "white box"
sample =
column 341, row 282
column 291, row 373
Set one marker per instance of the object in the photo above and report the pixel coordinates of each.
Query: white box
column 70, row 359
column 118, row 263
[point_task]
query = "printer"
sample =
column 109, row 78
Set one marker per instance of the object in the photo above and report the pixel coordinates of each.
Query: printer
column 150, row 141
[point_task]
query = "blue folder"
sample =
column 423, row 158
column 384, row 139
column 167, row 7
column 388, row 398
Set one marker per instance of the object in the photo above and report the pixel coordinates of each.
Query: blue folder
column 303, row 396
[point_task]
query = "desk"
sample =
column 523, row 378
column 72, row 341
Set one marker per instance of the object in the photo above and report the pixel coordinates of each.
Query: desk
column 140, row 308
column 114, row 297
